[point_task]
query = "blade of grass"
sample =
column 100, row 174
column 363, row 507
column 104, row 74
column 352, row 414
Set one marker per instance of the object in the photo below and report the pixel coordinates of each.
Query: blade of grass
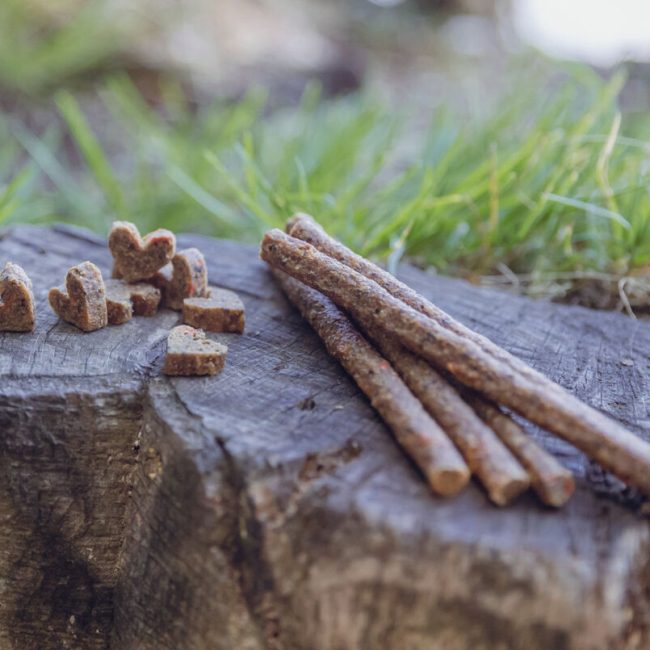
column 92, row 152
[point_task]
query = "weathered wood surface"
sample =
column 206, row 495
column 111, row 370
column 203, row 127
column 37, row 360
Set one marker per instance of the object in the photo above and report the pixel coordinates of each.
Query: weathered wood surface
column 269, row 508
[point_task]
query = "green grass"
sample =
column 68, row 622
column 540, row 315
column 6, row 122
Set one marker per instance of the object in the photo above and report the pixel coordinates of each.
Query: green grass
column 551, row 182
column 42, row 46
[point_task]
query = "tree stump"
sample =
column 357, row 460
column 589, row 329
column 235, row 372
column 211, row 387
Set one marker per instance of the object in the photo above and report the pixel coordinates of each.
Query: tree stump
column 269, row 508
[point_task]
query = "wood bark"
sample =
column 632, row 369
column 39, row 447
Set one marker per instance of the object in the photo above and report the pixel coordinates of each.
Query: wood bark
column 268, row 508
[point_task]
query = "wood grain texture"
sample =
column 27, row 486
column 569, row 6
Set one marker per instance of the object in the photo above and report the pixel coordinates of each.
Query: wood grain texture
column 268, row 507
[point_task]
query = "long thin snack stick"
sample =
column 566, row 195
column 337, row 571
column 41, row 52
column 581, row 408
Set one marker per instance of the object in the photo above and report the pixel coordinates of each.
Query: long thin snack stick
column 302, row 226
column 530, row 394
column 498, row 470
column 552, row 482
column 417, row 433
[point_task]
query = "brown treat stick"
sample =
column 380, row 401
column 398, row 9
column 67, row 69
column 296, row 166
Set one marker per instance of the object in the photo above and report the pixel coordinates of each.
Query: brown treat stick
column 530, row 394
column 304, row 227
column 498, row 470
column 416, row 432
column 83, row 302
column 16, row 300
column 552, row 482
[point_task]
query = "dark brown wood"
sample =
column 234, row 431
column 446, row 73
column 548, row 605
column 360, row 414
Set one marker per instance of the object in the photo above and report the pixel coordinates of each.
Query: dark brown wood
column 268, row 507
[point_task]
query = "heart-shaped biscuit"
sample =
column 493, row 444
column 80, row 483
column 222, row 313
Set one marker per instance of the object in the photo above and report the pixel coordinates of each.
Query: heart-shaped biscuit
column 16, row 300
column 222, row 311
column 84, row 304
column 189, row 352
column 123, row 300
column 138, row 258
column 189, row 278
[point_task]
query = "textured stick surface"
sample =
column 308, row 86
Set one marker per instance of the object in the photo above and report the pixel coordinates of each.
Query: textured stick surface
column 498, row 470
column 552, row 481
column 532, row 395
column 268, row 506
column 305, row 227
column 416, row 432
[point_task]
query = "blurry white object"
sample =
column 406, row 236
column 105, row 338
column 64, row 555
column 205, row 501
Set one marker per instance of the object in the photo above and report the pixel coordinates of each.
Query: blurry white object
column 603, row 32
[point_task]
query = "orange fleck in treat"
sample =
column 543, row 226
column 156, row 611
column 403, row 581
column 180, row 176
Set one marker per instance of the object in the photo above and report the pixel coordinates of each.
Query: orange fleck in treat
column 16, row 300
column 223, row 311
column 136, row 257
column 189, row 352
column 83, row 302
column 189, row 278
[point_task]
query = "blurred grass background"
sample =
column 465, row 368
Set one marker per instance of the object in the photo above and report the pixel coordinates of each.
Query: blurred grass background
column 542, row 185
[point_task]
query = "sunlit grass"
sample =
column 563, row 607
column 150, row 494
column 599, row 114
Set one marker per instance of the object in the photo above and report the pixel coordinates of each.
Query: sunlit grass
column 44, row 45
column 551, row 182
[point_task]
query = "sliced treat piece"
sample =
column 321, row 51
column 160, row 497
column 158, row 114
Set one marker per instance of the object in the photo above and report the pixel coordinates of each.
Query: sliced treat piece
column 189, row 352
column 16, row 300
column 83, row 301
column 136, row 257
column 189, row 279
column 123, row 300
column 118, row 303
column 160, row 279
column 144, row 296
column 223, row 311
